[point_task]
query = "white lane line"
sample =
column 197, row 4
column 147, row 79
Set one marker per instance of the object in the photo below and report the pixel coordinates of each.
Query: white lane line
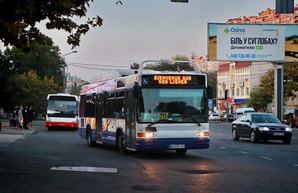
column 267, row 158
column 244, row 152
column 296, row 165
column 86, row 169
column 222, row 147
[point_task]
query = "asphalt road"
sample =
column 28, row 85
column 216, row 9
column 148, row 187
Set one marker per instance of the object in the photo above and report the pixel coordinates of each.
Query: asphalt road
column 60, row 161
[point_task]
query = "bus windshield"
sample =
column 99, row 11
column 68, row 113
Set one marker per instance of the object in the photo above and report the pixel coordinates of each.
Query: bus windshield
column 59, row 108
column 172, row 105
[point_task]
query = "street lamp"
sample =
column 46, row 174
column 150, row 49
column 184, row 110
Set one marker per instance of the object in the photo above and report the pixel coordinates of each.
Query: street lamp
column 64, row 78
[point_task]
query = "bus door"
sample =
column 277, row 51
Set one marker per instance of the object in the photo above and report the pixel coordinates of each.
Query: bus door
column 130, row 119
column 98, row 116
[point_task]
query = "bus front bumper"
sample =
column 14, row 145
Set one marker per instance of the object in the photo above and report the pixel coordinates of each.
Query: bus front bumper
column 61, row 124
column 172, row 144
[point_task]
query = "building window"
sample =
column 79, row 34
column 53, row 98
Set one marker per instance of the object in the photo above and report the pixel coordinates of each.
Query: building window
column 247, row 91
column 237, row 92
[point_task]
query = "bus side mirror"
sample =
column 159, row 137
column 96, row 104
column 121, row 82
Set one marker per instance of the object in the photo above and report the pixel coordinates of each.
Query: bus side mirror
column 136, row 90
column 210, row 91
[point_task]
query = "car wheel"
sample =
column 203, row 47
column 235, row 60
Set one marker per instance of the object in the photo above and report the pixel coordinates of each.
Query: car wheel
column 253, row 137
column 234, row 135
column 287, row 140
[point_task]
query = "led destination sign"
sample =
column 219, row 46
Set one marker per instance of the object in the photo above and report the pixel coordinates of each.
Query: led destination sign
column 173, row 80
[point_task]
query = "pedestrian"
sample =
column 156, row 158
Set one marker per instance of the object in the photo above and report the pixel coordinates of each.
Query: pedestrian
column 25, row 116
column 31, row 113
column 14, row 114
column 20, row 118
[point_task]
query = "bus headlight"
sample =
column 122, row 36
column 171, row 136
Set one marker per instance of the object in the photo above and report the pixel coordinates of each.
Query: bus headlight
column 202, row 134
column 146, row 135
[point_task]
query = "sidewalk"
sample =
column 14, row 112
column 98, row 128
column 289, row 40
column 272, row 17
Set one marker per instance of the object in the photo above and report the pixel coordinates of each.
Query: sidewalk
column 11, row 134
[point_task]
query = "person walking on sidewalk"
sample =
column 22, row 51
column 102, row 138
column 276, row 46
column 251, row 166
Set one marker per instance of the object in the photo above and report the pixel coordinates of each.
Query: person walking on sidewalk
column 20, row 118
column 31, row 113
column 25, row 116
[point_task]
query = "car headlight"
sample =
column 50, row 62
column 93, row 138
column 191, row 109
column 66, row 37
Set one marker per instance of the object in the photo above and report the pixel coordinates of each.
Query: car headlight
column 264, row 128
column 288, row 129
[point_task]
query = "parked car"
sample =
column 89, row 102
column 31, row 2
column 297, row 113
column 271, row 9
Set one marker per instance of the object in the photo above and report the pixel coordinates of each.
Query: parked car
column 214, row 117
column 261, row 126
column 227, row 117
column 291, row 117
column 231, row 117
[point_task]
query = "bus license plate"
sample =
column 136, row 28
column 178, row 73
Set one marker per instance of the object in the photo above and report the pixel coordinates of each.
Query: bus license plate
column 177, row 146
column 278, row 134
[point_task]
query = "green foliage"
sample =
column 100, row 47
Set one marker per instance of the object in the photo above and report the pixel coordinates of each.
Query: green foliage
column 290, row 80
column 28, row 88
column 134, row 66
column 43, row 60
column 18, row 20
column 166, row 66
column 259, row 97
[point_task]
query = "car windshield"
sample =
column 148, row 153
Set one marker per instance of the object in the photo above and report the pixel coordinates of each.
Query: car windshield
column 172, row 105
column 264, row 118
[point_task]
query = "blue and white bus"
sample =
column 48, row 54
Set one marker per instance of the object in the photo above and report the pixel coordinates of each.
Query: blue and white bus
column 147, row 110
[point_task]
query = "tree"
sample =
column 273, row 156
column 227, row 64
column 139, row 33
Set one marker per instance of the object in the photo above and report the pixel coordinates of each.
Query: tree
column 259, row 98
column 18, row 19
column 28, row 88
column 44, row 60
column 166, row 66
column 290, row 80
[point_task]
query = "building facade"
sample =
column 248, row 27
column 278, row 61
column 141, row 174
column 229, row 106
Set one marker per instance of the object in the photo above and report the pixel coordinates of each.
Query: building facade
column 235, row 80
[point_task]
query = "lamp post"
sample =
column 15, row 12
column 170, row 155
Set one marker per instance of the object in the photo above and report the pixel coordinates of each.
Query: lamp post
column 64, row 78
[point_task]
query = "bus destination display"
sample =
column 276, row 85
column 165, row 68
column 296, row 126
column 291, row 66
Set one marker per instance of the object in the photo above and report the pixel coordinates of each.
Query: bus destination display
column 173, row 80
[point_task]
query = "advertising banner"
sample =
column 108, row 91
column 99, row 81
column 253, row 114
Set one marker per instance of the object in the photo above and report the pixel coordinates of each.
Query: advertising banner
column 253, row 42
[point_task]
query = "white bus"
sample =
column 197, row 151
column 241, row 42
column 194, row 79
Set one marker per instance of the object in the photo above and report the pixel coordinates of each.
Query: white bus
column 62, row 111
column 147, row 110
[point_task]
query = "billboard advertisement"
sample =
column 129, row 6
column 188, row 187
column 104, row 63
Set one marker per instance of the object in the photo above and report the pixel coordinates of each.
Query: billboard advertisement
column 253, row 42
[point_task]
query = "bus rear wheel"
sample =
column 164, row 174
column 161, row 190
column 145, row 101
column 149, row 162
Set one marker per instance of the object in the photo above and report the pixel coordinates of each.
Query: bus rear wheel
column 120, row 141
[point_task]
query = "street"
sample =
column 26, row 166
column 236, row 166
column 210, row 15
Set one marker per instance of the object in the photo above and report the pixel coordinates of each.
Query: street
column 37, row 162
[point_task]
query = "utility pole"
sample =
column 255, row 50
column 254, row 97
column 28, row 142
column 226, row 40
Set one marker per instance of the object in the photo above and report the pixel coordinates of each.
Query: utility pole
column 64, row 66
column 278, row 90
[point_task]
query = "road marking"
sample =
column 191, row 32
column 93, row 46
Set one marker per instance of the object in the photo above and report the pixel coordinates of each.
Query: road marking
column 267, row 158
column 222, row 147
column 296, row 165
column 86, row 169
column 244, row 152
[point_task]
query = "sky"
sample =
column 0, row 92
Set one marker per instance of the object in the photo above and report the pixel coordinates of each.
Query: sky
column 142, row 30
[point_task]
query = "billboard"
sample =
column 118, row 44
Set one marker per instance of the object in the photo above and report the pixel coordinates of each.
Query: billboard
column 253, row 42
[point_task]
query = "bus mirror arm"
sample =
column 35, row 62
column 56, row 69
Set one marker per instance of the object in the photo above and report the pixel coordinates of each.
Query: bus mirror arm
column 136, row 90
column 210, row 91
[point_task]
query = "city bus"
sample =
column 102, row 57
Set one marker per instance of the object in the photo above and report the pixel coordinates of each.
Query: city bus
column 62, row 111
column 147, row 110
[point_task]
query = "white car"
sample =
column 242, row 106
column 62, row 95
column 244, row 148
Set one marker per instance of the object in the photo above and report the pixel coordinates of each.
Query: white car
column 214, row 117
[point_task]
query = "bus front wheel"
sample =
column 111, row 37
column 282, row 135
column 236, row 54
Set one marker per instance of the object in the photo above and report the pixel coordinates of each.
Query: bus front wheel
column 90, row 142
